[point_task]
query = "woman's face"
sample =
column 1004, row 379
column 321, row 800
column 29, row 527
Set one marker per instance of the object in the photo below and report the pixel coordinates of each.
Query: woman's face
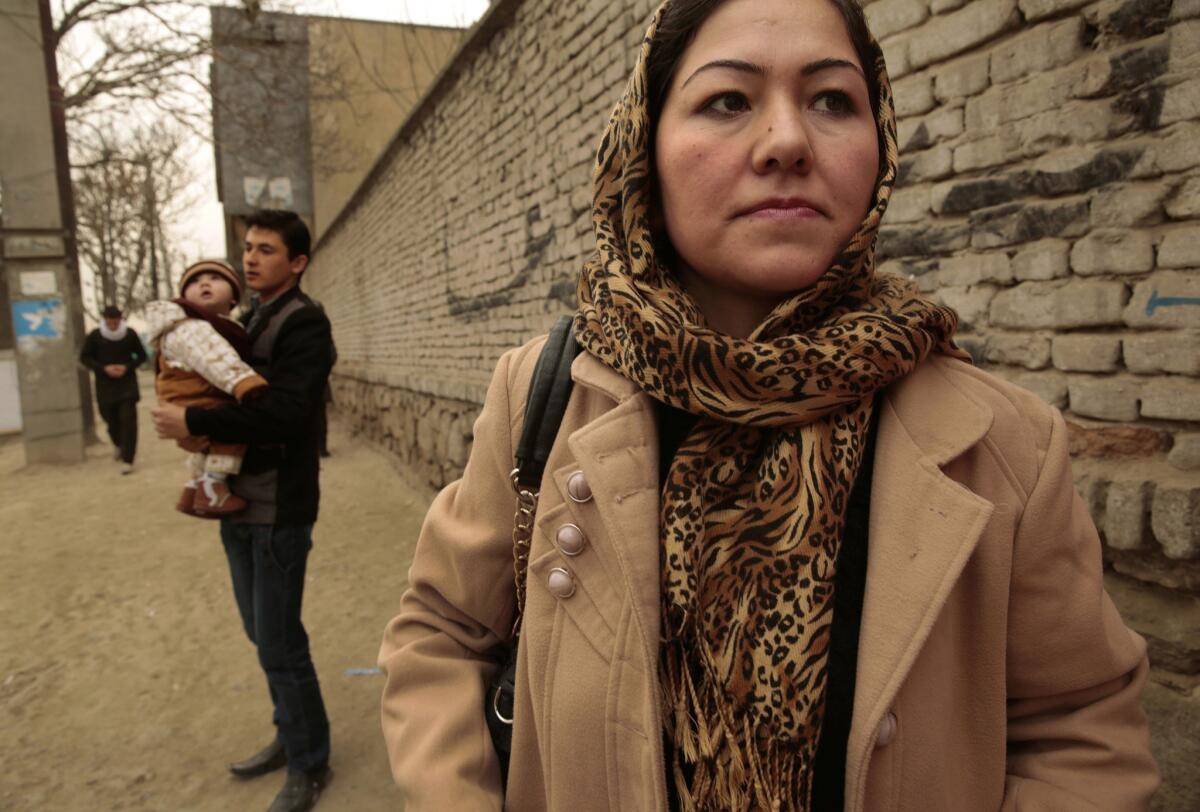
column 766, row 154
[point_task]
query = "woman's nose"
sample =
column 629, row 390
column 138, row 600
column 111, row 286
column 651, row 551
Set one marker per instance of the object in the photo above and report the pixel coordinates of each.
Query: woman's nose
column 782, row 141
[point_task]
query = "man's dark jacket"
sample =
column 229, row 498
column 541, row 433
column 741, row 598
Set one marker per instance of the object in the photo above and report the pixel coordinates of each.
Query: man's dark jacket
column 282, row 426
column 98, row 352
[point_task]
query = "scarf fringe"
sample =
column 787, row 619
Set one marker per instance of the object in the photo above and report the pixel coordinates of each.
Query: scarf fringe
column 712, row 738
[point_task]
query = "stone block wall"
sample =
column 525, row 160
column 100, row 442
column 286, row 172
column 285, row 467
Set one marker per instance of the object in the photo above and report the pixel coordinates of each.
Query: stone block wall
column 1049, row 191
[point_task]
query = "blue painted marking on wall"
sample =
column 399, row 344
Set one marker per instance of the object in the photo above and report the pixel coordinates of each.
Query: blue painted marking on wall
column 1155, row 301
column 38, row 318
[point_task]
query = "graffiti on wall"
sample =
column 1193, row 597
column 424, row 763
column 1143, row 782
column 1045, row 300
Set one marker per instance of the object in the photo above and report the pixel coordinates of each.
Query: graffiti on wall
column 1155, row 302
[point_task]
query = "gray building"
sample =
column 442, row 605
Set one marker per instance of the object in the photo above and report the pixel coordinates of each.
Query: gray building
column 260, row 116
column 303, row 107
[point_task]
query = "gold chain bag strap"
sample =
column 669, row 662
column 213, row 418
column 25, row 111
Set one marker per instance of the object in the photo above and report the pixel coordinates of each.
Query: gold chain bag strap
column 548, row 394
column 522, row 537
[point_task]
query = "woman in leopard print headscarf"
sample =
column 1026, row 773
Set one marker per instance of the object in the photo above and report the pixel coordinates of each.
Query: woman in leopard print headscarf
column 772, row 310
column 733, row 299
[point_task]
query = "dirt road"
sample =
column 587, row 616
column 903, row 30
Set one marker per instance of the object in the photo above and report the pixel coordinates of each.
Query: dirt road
column 125, row 679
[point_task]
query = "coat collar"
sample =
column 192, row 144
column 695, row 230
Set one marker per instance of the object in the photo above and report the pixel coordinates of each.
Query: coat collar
column 114, row 335
column 939, row 417
column 591, row 372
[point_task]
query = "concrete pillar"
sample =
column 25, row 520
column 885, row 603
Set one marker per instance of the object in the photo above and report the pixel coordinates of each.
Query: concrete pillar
column 43, row 289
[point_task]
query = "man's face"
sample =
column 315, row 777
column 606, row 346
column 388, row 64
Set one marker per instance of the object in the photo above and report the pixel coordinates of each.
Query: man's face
column 269, row 271
column 112, row 322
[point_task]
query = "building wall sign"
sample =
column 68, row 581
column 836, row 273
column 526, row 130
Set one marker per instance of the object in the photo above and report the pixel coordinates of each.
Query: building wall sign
column 38, row 283
column 253, row 186
column 29, row 247
column 275, row 193
column 280, row 190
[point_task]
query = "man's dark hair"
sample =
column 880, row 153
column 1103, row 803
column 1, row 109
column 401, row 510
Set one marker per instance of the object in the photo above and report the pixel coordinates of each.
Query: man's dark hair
column 289, row 227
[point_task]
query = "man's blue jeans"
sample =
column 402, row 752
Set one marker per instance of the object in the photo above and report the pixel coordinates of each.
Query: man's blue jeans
column 267, row 564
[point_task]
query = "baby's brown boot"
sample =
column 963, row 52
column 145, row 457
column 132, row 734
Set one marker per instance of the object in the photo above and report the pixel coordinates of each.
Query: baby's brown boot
column 214, row 499
column 187, row 498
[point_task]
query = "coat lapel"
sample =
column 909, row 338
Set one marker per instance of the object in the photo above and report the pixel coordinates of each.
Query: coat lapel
column 923, row 529
column 618, row 453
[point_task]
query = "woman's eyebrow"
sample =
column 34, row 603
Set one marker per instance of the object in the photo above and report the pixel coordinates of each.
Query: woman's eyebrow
column 829, row 63
column 730, row 64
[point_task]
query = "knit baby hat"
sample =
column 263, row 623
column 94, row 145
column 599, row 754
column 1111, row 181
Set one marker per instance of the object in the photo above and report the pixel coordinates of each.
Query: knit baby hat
column 223, row 269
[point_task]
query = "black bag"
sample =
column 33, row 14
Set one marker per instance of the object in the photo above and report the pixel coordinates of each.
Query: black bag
column 548, row 394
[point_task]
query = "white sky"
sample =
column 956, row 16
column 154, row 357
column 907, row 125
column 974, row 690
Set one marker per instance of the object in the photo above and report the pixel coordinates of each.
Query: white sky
column 429, row 12
column 202, row 232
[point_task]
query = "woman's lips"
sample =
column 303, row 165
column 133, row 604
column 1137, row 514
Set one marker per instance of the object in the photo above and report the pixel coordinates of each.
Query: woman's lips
column 782, row 209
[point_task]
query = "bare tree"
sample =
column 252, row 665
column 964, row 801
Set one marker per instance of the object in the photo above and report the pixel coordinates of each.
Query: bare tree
column 145, row 55
column 126, row 189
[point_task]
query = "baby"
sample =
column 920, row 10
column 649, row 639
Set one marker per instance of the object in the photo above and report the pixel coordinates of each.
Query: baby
column 200, row 361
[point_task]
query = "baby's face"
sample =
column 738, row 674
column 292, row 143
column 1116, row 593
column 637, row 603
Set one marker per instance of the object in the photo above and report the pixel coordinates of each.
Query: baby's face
column 210, row 291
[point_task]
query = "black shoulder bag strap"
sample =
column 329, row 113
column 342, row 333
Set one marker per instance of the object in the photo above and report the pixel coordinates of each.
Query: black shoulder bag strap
column 549, row 392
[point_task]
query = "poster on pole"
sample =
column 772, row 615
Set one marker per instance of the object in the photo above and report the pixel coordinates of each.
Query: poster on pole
column 38, row 319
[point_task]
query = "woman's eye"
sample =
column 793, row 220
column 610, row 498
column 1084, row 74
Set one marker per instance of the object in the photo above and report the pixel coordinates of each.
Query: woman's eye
column 835, row 102
column 728, row 104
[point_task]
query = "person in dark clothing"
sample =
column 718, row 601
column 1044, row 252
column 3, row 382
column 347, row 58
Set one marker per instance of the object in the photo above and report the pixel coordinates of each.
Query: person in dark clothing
column 267, row 544
column 325, row 401
column 113, row 352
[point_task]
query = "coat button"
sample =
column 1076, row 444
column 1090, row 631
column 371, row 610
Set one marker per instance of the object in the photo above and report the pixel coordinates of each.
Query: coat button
column 578, row 488
column 560, row 583
column 570, row 539
column 886, row 731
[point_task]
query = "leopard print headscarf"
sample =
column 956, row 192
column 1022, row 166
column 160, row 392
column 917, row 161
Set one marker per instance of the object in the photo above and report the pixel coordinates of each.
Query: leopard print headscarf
column 753, row 507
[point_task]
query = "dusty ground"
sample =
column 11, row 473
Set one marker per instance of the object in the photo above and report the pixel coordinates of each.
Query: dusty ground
column 125, row 679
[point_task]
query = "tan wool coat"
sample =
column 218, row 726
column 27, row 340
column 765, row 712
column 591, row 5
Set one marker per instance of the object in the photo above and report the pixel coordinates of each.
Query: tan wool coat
column 993, row 670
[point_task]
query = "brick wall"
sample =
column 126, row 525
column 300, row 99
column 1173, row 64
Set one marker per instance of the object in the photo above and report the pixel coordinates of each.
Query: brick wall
column 465, row 239
column 1049, row 191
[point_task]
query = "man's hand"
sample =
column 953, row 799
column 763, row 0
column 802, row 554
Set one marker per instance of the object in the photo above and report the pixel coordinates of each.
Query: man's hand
column 170, row 421
column 114, row 370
